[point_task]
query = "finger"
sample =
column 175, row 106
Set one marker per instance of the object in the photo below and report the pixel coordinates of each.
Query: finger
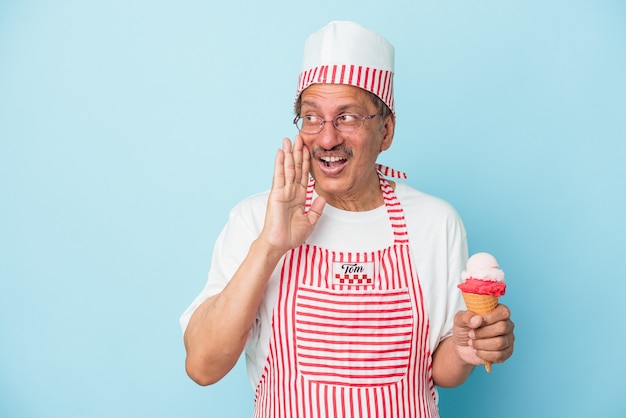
column 494, row 350
column 465, row 322
column 500, row 328
column 298, row 158
column 497, row 343
column 288, row 163
column 468, row 319
column 500, row 313
column 315, row 211
column 306, row 166
column 287, row 145
column 496, row 322
column 279, row 172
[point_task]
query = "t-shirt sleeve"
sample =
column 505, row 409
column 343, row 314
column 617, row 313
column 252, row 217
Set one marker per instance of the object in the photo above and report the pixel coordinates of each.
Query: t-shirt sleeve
column 457, row 257
column 231, row 247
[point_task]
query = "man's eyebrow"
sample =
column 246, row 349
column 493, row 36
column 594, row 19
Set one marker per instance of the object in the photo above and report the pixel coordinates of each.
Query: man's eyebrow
column 340, row 109
column 309, row 103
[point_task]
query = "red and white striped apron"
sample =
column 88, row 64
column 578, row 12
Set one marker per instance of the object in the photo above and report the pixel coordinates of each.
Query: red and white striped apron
column 349, row 333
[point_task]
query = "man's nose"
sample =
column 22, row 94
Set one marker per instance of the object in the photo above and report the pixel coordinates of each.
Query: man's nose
column 329, row 137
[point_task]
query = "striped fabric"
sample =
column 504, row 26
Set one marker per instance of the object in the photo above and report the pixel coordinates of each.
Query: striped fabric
column 349, row 350
column 379, row 82
column 353, row 339
column 390, row 172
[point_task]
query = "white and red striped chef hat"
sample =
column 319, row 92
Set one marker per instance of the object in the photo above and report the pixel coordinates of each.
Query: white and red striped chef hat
column 345, row 52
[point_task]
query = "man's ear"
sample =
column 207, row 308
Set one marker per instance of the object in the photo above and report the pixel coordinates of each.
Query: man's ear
column 389, row 126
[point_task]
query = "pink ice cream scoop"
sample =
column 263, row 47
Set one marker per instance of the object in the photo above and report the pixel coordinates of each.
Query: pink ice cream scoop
column 483, row 276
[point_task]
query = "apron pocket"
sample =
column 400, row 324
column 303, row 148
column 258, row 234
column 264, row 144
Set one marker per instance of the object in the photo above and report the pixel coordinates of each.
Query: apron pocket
column 353, row 339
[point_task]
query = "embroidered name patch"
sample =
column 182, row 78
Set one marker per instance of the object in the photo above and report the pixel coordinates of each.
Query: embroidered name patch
column 353, row 273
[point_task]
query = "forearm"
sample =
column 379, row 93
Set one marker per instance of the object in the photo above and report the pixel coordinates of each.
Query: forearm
column 449, row 370
column 217, row 331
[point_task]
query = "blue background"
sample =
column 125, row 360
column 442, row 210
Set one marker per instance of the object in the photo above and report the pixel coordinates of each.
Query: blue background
column 129, row 128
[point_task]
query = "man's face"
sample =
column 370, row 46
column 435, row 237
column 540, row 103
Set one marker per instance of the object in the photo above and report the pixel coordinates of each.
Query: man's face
column 343, row 163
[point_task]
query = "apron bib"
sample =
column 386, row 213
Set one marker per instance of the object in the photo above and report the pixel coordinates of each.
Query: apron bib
column 349, row 333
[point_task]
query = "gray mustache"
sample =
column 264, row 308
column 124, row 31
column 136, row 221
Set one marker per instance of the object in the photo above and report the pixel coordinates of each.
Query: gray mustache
column 339, row 149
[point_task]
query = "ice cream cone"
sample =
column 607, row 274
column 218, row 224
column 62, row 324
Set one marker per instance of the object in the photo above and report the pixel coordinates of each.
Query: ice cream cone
column 483, row 283
column 480, row 304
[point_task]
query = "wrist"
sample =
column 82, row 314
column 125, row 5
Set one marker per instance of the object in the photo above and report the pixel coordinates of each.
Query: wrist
column 450, row 364
column 262, row 248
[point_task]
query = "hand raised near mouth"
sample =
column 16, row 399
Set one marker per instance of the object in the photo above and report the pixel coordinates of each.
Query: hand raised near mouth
column 287, row 224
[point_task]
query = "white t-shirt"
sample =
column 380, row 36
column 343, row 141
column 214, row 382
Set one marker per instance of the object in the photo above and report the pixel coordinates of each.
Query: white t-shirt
column 437, row 240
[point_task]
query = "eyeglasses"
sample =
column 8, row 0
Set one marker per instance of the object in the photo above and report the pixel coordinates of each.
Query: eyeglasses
column 347, row 122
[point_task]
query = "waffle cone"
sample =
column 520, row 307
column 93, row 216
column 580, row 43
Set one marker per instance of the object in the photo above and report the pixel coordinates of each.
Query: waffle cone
column 480, row 304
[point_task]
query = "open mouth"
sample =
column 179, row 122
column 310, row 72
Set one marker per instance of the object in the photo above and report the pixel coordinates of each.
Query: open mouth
column 329, row 161
column 332, row 162
column 332, row 166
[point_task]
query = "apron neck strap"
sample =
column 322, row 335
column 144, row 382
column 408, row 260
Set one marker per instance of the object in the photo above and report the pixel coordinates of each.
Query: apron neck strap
column 390, row 172
column 394, row 208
